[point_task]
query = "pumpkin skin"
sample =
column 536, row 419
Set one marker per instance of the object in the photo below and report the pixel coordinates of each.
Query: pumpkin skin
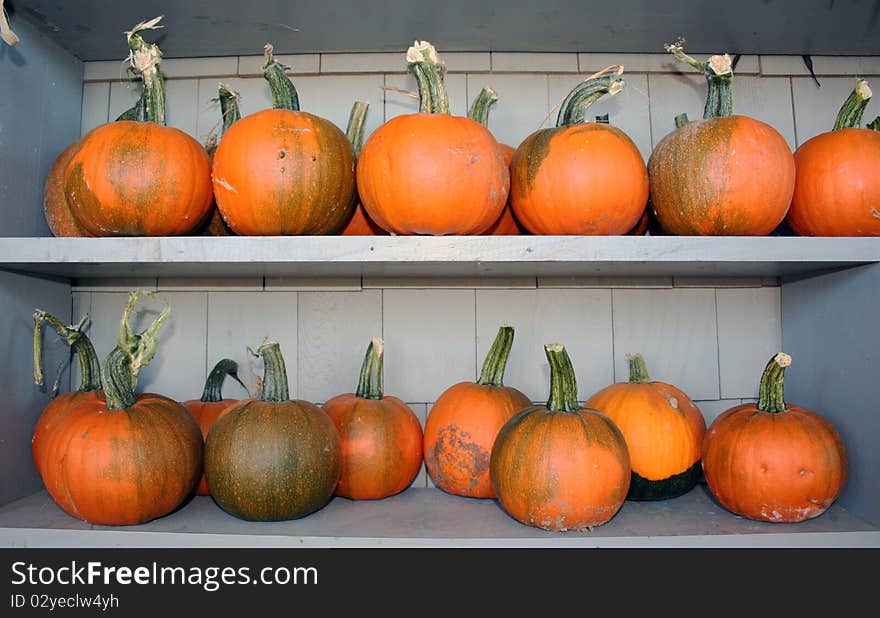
column 663, row 430
column 132, row 178
column 58, row 216
column 361, row 225
column 507, row 225
column 784, row 466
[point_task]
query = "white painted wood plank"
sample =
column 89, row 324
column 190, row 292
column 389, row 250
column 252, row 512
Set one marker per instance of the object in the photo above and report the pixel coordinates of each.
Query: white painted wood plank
column 652, row 63
column 205, row 284
column 749, row 333
column 458, row 62
column 675, row 330
column 816, row 108
column 252, row 66
column 114, row 284
column 450, row 282
column 105, row 70
column 331, row 97
column 182, row 101
column 398, row 103
column 521, row 62
column 578, row 319
column 95, row 106
column 334, row 331
column 717, row 282
column 123, row 96
column 521, row 107
column 822, row 65
column 712, row 409
column 380, row 62
column 429, row 341
column 313, row 284
column 604, row 282
column 218, row 66
column 241, row 320
column 421, row 411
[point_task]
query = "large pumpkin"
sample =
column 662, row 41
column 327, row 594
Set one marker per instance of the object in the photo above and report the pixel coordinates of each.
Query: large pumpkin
column 58, row 216
column 381, row 436
column 579, row 177
column 560, row 466
column 726, row 174
column 133, row 178
column 431, row 172
column 771, row 460
column 272, row 458
column 211, row 405
column 114, row 457
column 283, row 171
column 464, row 422
column 360, row 223
column 663, row 430
column 837, row 187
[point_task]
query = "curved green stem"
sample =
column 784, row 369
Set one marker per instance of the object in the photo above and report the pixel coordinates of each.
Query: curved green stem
column 73, row 336
column 213, row 391
column 429, row 72
column 681, row 120
column 574, row 108
column 496, row 360
column 638, row 370
column 850, row 114
column 874, row 125
column 719, row 75
column 356, row 125
column 144, row 59
column 771, row 396
column 370, row 382
column 284, row 95
column 228, row 106
column 138, row 112
column 479, row 111
column 563, row 383
column 274, row 373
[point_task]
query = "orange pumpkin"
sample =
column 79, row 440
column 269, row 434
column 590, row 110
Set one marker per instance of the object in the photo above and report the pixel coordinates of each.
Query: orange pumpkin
column 560, row 466
column 580, row 177
column 724, row 175
column 61, row 221
column 359, row 224
column 133, row 178
column 211, row 406
column 837, row 186
column 663, row 430
column 774, row 461
column 283, row 171
column 380, row 435
column 430, row 172
column 464, row 422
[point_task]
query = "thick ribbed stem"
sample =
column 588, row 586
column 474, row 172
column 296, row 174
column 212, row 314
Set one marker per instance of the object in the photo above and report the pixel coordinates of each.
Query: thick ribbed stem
column 429, row 72
column 213, row 391
column 370, row 382
column 850, row 114
column 681, row 120
column 719, row 75
column 356, row 124
column 574, row 108
column 563, row 383
column 771, row 396
column 284, row 95
column 274, row 373
column 144, row 59
column 496, row 360
column 73, row 336
column 137, row 112
column 479, row 111
column 228, row 106
column 638, row 370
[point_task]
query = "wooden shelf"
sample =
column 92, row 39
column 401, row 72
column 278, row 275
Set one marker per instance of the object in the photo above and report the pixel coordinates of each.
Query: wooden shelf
column 432, row 518
column 447, row 256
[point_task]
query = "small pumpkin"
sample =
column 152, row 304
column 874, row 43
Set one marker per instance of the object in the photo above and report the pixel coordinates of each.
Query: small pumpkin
column 726, row 174
column 140, row 178
column 114, row 457
column 771, row 460
column 272, row 458
column 837, row 184
column 380, row 435
column 283, row 171
column 663, row 429
column 560, row 466
column 211, row 405
column 464, row 422
column 585, row 178
column 431, row 172
column 360, row 223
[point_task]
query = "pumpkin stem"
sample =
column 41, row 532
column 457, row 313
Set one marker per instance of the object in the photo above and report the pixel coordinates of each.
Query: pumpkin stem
column 563, row 383
column 138, row 112
column 574, row 108
column 274, row 373
column 73, row 336
column 228, row 106
column 719, row 74
column 133, row 352
column 874, row 125
column 214, row 384
column 370, row 383
column 681, row 120
column 770, row 395
column 496, row 360
column 603, row 119
column 284, row 95
column 356, row 126
column 850, row 114
column 144, row 59
column 429, row 71
column 479, row 111
column 638, row 370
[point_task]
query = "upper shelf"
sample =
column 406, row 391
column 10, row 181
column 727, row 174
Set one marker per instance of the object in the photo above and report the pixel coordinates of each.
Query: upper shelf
column 445, row 256
column 92, row 29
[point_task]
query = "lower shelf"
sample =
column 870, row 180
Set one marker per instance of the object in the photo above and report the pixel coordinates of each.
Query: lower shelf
column 431, row 518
